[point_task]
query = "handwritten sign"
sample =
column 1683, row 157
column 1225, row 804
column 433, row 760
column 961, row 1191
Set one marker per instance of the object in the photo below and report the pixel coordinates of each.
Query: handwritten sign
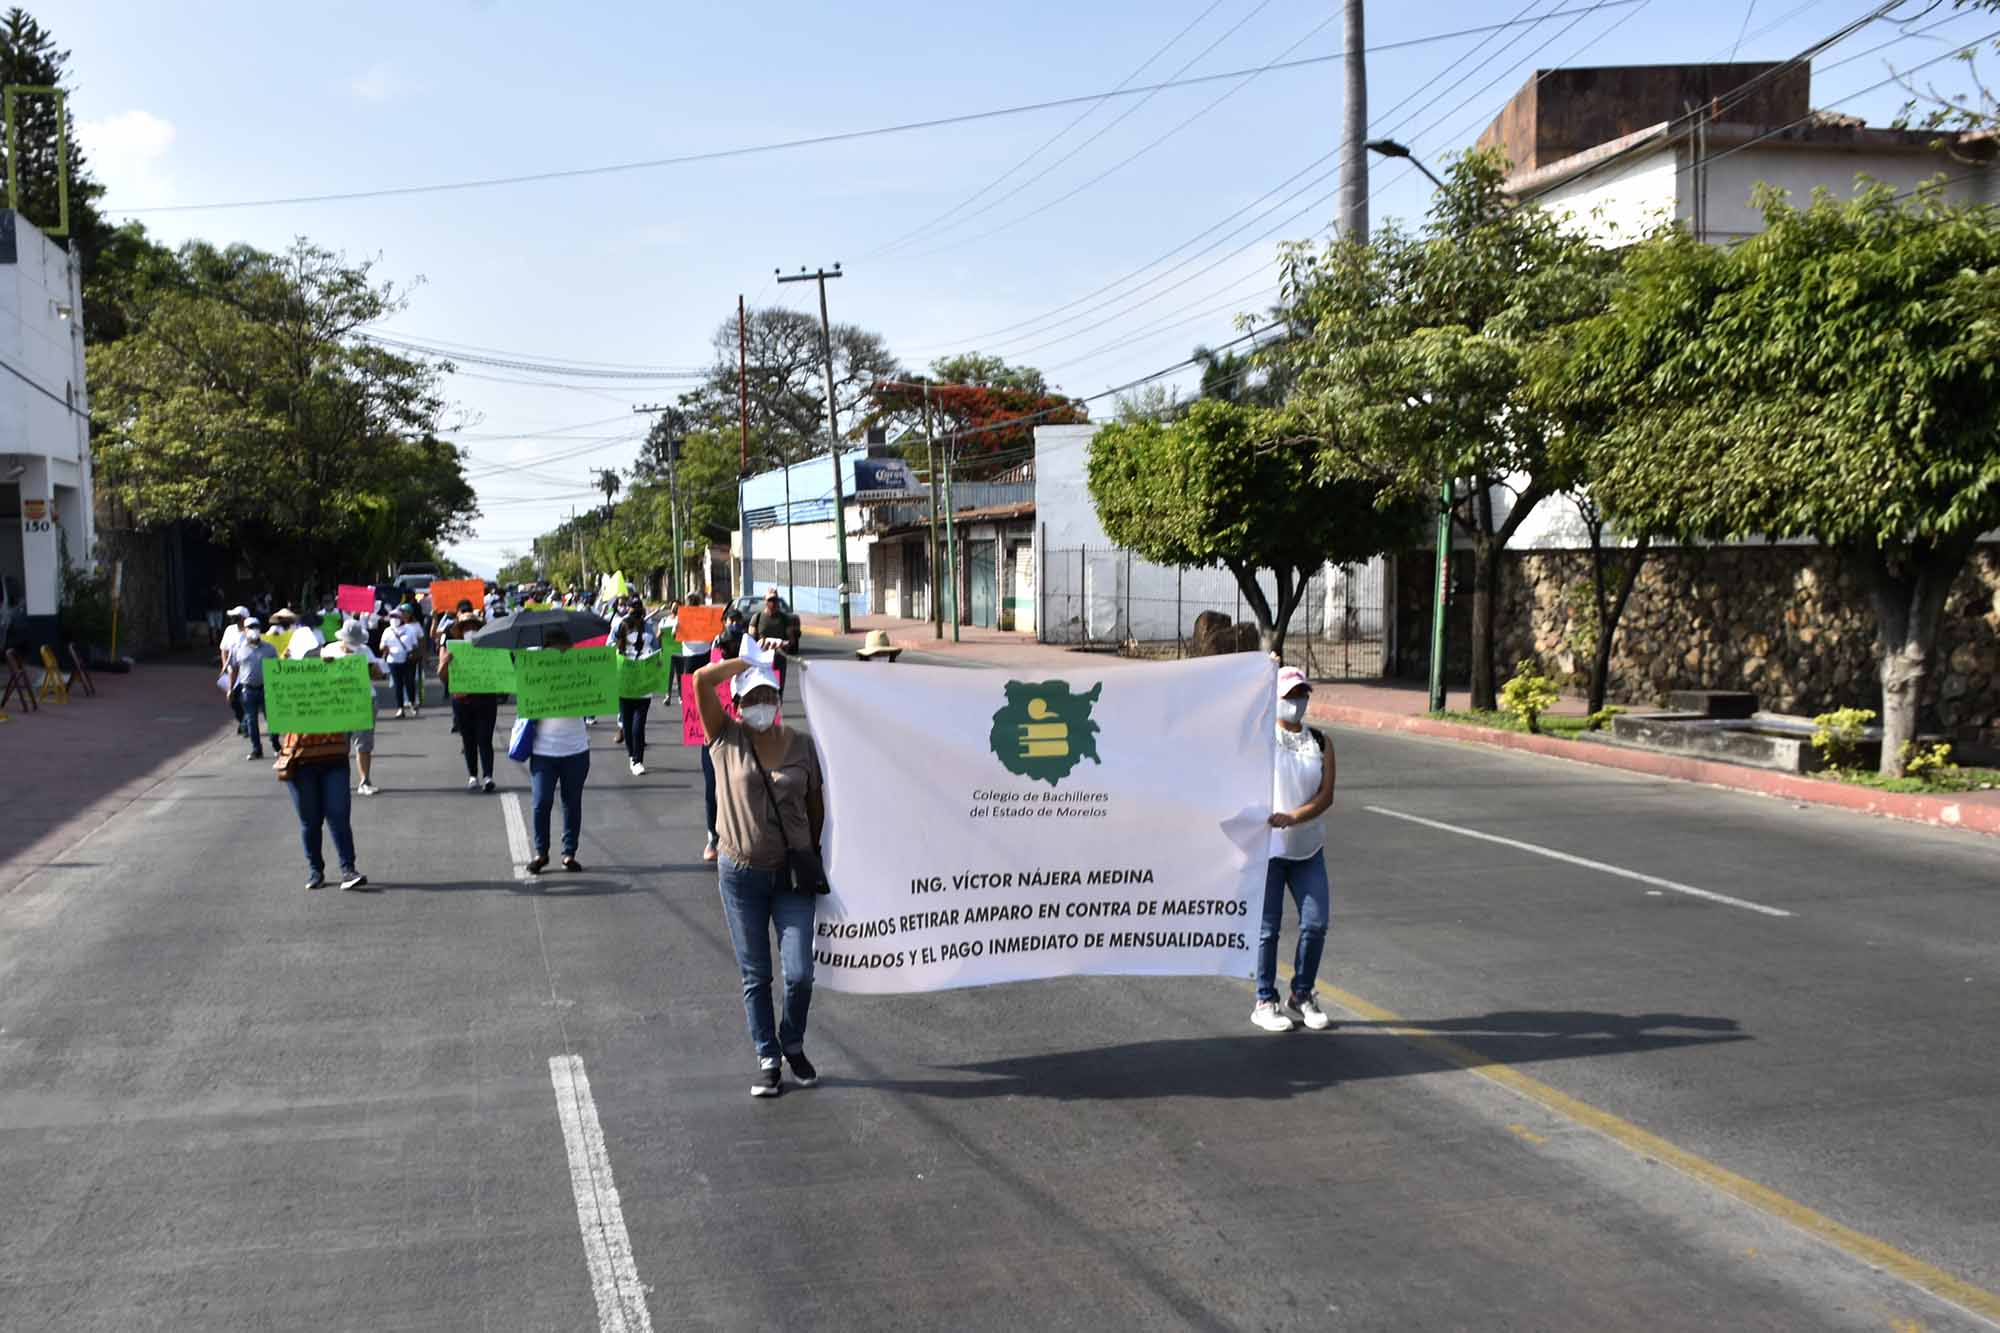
column 280, row 640
column 698, row 624
column 356, row 599
column 329, row 626
column 642, row 676
column 446, row 594
column 481, row 670
column 575, row 682
column 319, row 694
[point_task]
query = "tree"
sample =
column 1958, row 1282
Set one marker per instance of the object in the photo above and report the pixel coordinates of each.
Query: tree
column 1226, row 485
column 984, row 411
column 242, row 400
column 1833, row 377
column 1411, row 351
column 516, row 568
column 787, row 384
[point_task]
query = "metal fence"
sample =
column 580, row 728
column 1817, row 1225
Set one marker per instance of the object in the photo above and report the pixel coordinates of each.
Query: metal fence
column 1107, row 598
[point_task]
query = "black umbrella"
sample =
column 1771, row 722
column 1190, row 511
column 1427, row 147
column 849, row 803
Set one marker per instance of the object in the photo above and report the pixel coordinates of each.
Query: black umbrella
column 529, row 629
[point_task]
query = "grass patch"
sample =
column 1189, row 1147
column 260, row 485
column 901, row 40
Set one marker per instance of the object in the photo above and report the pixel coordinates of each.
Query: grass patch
column 1563, row 728
column 1940, row 784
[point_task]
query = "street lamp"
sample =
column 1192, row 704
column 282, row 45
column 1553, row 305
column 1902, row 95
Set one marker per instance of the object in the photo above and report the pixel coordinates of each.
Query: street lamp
column 1442, row 585
column 1390, row 148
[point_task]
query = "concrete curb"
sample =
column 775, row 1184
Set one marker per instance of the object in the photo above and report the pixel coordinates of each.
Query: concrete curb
column 1939, row 811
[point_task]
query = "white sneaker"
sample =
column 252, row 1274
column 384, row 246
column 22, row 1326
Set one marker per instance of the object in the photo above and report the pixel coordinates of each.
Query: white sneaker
column 1268, row 1016
column 1309, row 1013
column 366, row 789
column 401, row 712
column 472, row 784
column 638, row 769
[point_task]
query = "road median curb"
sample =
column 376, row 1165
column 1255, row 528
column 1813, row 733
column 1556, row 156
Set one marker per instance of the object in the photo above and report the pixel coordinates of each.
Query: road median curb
column 1938, row 811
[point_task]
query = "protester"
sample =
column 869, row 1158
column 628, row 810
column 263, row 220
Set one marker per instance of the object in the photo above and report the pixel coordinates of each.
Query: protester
column 304, row 641
column 231, row 634
column 771, row 800
column 634, row 639
column 560, row 758
column 400, row 644
column 313, row 768
column 246, row 680
column 353, row 640
column 1301, row 792
column 692, row 654
column 473, row 715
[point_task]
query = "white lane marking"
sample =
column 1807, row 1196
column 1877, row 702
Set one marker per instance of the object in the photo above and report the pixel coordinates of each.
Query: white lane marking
column 517, row 833
column 621, row 1300
column 1583, row 861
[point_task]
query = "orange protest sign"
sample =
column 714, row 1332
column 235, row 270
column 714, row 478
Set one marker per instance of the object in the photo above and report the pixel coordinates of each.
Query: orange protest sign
column 698, row 624
column 446, row 594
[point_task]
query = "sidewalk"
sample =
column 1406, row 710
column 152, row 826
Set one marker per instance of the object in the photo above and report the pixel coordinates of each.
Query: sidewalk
column 64, row 760
column 1400, row 706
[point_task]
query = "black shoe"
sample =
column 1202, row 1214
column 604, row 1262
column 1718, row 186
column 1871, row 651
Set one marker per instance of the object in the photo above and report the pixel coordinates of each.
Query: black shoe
column 488, row 787
column 571, row 863
column 770, row 1081
column 355, row 882
column 254, row 754
column 802, row 1068
column 536, row 862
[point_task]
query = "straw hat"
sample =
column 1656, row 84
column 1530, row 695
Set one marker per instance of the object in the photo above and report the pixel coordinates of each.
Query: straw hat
column 878, row 645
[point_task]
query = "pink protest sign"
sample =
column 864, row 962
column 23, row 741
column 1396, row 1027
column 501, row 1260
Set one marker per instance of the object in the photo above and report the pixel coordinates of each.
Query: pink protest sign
column 691, row 728
column 355, row 598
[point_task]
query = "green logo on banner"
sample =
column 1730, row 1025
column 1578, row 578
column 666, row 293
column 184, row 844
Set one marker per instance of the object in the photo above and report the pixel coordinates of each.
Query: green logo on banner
column 1044, row 730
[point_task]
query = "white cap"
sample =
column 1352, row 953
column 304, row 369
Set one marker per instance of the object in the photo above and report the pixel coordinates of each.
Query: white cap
column 754, row 678
column 237, row 611
column 1289, row 679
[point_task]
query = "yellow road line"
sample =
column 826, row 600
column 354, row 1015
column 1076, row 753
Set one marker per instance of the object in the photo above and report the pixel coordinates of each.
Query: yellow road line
column 1861, row 1246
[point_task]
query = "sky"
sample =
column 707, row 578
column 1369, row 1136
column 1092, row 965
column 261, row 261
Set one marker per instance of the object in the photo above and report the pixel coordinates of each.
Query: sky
column 1100, row 241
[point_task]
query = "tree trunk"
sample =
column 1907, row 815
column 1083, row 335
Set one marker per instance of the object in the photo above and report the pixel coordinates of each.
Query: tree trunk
column 1485, row 574
column 1269, row 636
column 1908, row 588
column 1609, row 615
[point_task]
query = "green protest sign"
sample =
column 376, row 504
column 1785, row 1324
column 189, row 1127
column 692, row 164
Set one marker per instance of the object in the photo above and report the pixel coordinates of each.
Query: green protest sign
column 641, row 676
column 569, row 682
column 329, row 626
column 481, row 670
column 319, row 694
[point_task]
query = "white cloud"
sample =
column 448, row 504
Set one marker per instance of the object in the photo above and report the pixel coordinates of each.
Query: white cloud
column 126, row 152
column 378, row 83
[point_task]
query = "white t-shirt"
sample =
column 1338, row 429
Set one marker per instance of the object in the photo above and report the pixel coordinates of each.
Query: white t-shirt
column 559, row 736
column 230, row 635
column 1294, row 781
column 303, row 643
column 399, row 641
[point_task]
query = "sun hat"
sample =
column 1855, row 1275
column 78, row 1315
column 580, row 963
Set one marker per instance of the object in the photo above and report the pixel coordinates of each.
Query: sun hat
column 878, row 645
column 1289, row 679
column 284, row 613
column 754, row 678
column 352, row 632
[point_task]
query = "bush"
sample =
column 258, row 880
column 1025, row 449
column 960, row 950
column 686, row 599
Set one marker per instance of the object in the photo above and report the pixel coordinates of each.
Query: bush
column 1601, row 719
column 1838, row 735
column 1529, row 694
column 1927, row 762
column 85, row 614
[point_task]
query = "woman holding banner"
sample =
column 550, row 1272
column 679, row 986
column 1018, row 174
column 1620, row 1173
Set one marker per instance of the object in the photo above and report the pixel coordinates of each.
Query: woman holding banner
column 473, row 716
column 771, row 803
column 634, row 639
column 1301, row 792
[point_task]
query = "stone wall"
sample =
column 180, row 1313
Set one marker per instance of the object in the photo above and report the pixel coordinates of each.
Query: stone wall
column 1789, row 623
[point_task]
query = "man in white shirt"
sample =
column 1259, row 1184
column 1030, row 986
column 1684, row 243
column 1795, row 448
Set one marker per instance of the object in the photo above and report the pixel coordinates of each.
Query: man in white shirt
column 353, row 642
column 232, row 634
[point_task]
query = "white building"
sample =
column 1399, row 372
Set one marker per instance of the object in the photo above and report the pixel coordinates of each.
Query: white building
column 1616, row 152
column 45, row 481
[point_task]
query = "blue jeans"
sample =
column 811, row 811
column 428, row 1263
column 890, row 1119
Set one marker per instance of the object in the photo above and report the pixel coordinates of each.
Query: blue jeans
column 708, row 788
column 546, row 772
column 751, row 905
column 406, row 683
column 253, row 705
column 1307, row 880
column 632, row 717
column 320, row 795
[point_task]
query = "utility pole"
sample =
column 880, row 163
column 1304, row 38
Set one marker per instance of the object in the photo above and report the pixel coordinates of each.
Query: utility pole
column 833, row 436
column 676, row 436
column 742, row 387
column 1354, row 132
column 930, row 454
column 950, row 531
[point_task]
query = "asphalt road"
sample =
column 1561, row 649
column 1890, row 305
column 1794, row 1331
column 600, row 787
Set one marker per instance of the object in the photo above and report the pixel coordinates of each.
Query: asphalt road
column 226, row 1103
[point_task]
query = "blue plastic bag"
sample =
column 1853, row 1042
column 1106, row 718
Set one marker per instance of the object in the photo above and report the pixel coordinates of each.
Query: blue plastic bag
column 521, row 741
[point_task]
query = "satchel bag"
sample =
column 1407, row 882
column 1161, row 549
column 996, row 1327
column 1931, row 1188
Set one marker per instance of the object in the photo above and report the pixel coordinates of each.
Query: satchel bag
column 319, row 747
column 804, row 872
column 521, row 741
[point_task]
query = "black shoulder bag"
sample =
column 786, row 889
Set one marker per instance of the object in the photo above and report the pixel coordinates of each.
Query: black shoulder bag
column 804, row 872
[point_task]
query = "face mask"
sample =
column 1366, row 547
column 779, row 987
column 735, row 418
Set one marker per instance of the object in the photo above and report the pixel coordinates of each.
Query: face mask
column 759, row 717
column 1292, row 711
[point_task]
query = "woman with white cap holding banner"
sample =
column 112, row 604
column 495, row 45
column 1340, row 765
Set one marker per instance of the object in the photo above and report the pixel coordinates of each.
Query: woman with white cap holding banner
column 770, row 811
column 1301, row 792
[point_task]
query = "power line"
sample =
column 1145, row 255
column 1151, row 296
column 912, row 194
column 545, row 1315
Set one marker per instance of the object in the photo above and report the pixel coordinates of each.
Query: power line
column 845, row 136
column 532, row 365
column 1043, row 147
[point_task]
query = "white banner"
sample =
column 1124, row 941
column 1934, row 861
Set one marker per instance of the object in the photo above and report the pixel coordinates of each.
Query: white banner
column 994, row 825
